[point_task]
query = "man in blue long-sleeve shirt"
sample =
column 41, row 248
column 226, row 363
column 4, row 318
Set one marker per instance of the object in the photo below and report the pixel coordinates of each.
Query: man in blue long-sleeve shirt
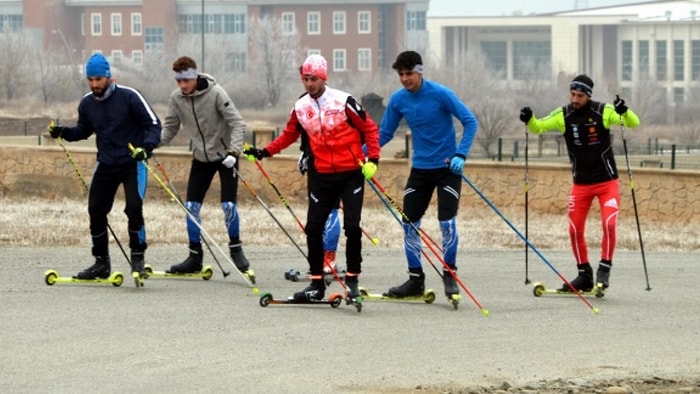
column 437, row 163
column 118, row 116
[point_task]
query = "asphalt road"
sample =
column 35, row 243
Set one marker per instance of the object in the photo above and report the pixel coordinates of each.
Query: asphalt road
column 184, row 336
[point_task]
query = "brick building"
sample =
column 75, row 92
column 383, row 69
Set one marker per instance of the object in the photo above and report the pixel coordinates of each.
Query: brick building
column 354, row 35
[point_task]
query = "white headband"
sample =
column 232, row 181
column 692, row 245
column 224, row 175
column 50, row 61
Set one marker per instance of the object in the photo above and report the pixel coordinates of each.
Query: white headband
column 190, row 73
column 418, row 68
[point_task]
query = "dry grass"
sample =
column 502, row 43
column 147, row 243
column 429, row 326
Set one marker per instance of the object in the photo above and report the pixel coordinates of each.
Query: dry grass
column 64, row 222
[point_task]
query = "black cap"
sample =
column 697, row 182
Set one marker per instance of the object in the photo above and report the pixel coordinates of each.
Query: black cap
column 582, row 83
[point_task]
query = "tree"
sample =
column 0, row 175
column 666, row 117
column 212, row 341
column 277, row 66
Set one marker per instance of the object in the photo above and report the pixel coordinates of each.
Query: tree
column 275, row 57
column 14, row 63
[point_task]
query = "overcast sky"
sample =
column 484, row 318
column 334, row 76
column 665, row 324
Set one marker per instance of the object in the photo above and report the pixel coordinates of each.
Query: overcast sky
column 507, row 7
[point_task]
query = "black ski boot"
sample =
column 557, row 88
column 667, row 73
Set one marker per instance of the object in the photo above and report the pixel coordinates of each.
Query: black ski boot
column 101, row 269
column 193, row 262
column 353, row 290
column 414, row 286
column 137, row 263
column 314, row 292
column 584, row 280
column 450, row 283
column 238, row 257
column 603, row 274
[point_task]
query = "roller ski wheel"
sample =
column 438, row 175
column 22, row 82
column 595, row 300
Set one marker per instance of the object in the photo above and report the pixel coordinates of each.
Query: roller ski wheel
column 51, row 277
column 334, row 300
column 454, row 299
column 205, row 273
column 356, row 302
column 138, row 279
column 249, row 274
column 539, row 289
column 427, row 297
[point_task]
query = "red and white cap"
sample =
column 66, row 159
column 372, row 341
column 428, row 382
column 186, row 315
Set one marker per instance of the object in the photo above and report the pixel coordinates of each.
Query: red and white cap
column 315, row 65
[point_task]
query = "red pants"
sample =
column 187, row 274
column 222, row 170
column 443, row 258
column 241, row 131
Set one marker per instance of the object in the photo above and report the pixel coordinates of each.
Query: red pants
column 580, row 201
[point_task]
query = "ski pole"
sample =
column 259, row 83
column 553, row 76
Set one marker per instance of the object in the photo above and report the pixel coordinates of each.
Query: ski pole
column 87, row 188
column 430, row 245
column 534, row 249
column 262, row 203
column 527, row 189
column 193, row 219
column 179, row 200
column 634, row 200
column 398, row 219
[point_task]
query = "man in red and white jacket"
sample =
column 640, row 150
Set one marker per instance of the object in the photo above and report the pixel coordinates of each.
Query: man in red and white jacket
column 336, row 127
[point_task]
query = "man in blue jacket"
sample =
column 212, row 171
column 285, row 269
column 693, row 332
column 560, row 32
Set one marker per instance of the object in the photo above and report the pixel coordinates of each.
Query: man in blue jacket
column 118, row 116
column 437, row 163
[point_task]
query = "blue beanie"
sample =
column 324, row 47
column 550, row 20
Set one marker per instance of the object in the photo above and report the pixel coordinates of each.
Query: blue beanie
column 97, row 66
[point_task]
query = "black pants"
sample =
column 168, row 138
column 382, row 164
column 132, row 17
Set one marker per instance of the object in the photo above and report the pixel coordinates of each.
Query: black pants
column 325, row 190
column 103, row 188
column 419, row 191
column 201, row 175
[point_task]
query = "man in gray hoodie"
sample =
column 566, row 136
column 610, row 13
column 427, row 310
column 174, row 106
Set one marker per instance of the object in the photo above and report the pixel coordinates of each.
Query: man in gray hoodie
column 203, row 108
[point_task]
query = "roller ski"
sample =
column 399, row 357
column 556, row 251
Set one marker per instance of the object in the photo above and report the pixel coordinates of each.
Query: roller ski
column 451, row 288
column 539, row 289
column 115, row 279
column 138, row 271
column 353, row 295
column 428, row 296
column 334, row 300
column 205, row 273
column 240, row 261
column 583, row 283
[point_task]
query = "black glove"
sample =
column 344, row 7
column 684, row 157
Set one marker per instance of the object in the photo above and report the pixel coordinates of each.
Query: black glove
column 255, row 153
column 620, row 106
column 139, row 154
column 525, row 114
column 56, row 131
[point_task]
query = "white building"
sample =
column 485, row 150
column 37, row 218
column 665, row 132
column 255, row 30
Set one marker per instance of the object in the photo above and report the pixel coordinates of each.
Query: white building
column 628, row 45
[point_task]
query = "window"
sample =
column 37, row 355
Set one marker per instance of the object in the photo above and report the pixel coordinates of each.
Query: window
column 137, row 57
column 339, row 60
column 695, row 60
column 661, row 60
column 678, row 95
column 136, row 28
column 496, row 54
column 82, row 24
column 626, row 60
column 236, row 61
column 643, row 62
column 313, row 52
column 154, row 39
column 531, row 56
column 11, row 23
column 313, row 23
column 339, row 22
column 117, row 56
column 234, row 23
column 287, row 20
column 96, row 23
column 415, row 20
column 364, row 59
column 364, row 22
column 678, row 60
column 117, row 24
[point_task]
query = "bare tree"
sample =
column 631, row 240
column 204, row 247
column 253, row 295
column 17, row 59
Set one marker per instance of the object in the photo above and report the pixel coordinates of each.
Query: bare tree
column 275, row 56
column 15, row 49
column 688, row 120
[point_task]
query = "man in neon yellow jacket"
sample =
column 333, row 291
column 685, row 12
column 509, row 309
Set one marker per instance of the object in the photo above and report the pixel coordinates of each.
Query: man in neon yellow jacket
column 585, row 125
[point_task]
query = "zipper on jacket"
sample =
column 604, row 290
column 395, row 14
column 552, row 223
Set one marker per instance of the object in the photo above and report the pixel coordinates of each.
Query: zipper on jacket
column 199, row 130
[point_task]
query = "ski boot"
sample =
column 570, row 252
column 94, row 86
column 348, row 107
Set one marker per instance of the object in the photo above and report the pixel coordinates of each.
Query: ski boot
column 138, row 271
column 240, row 260
column 101, row 269
column 584, row 280
column 314, row 292
column 328, row 261
column 193, row 262
column 354, row 296
column 414, row 286
column 451, row 288
column 603, row 274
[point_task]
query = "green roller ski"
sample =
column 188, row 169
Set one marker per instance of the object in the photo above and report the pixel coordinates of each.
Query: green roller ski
column 51, row 277
column 205, row 273
column 539, row 289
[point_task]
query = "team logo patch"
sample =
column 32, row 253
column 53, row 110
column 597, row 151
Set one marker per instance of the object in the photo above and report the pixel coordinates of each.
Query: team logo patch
column 611, row 203
column 309, row 114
